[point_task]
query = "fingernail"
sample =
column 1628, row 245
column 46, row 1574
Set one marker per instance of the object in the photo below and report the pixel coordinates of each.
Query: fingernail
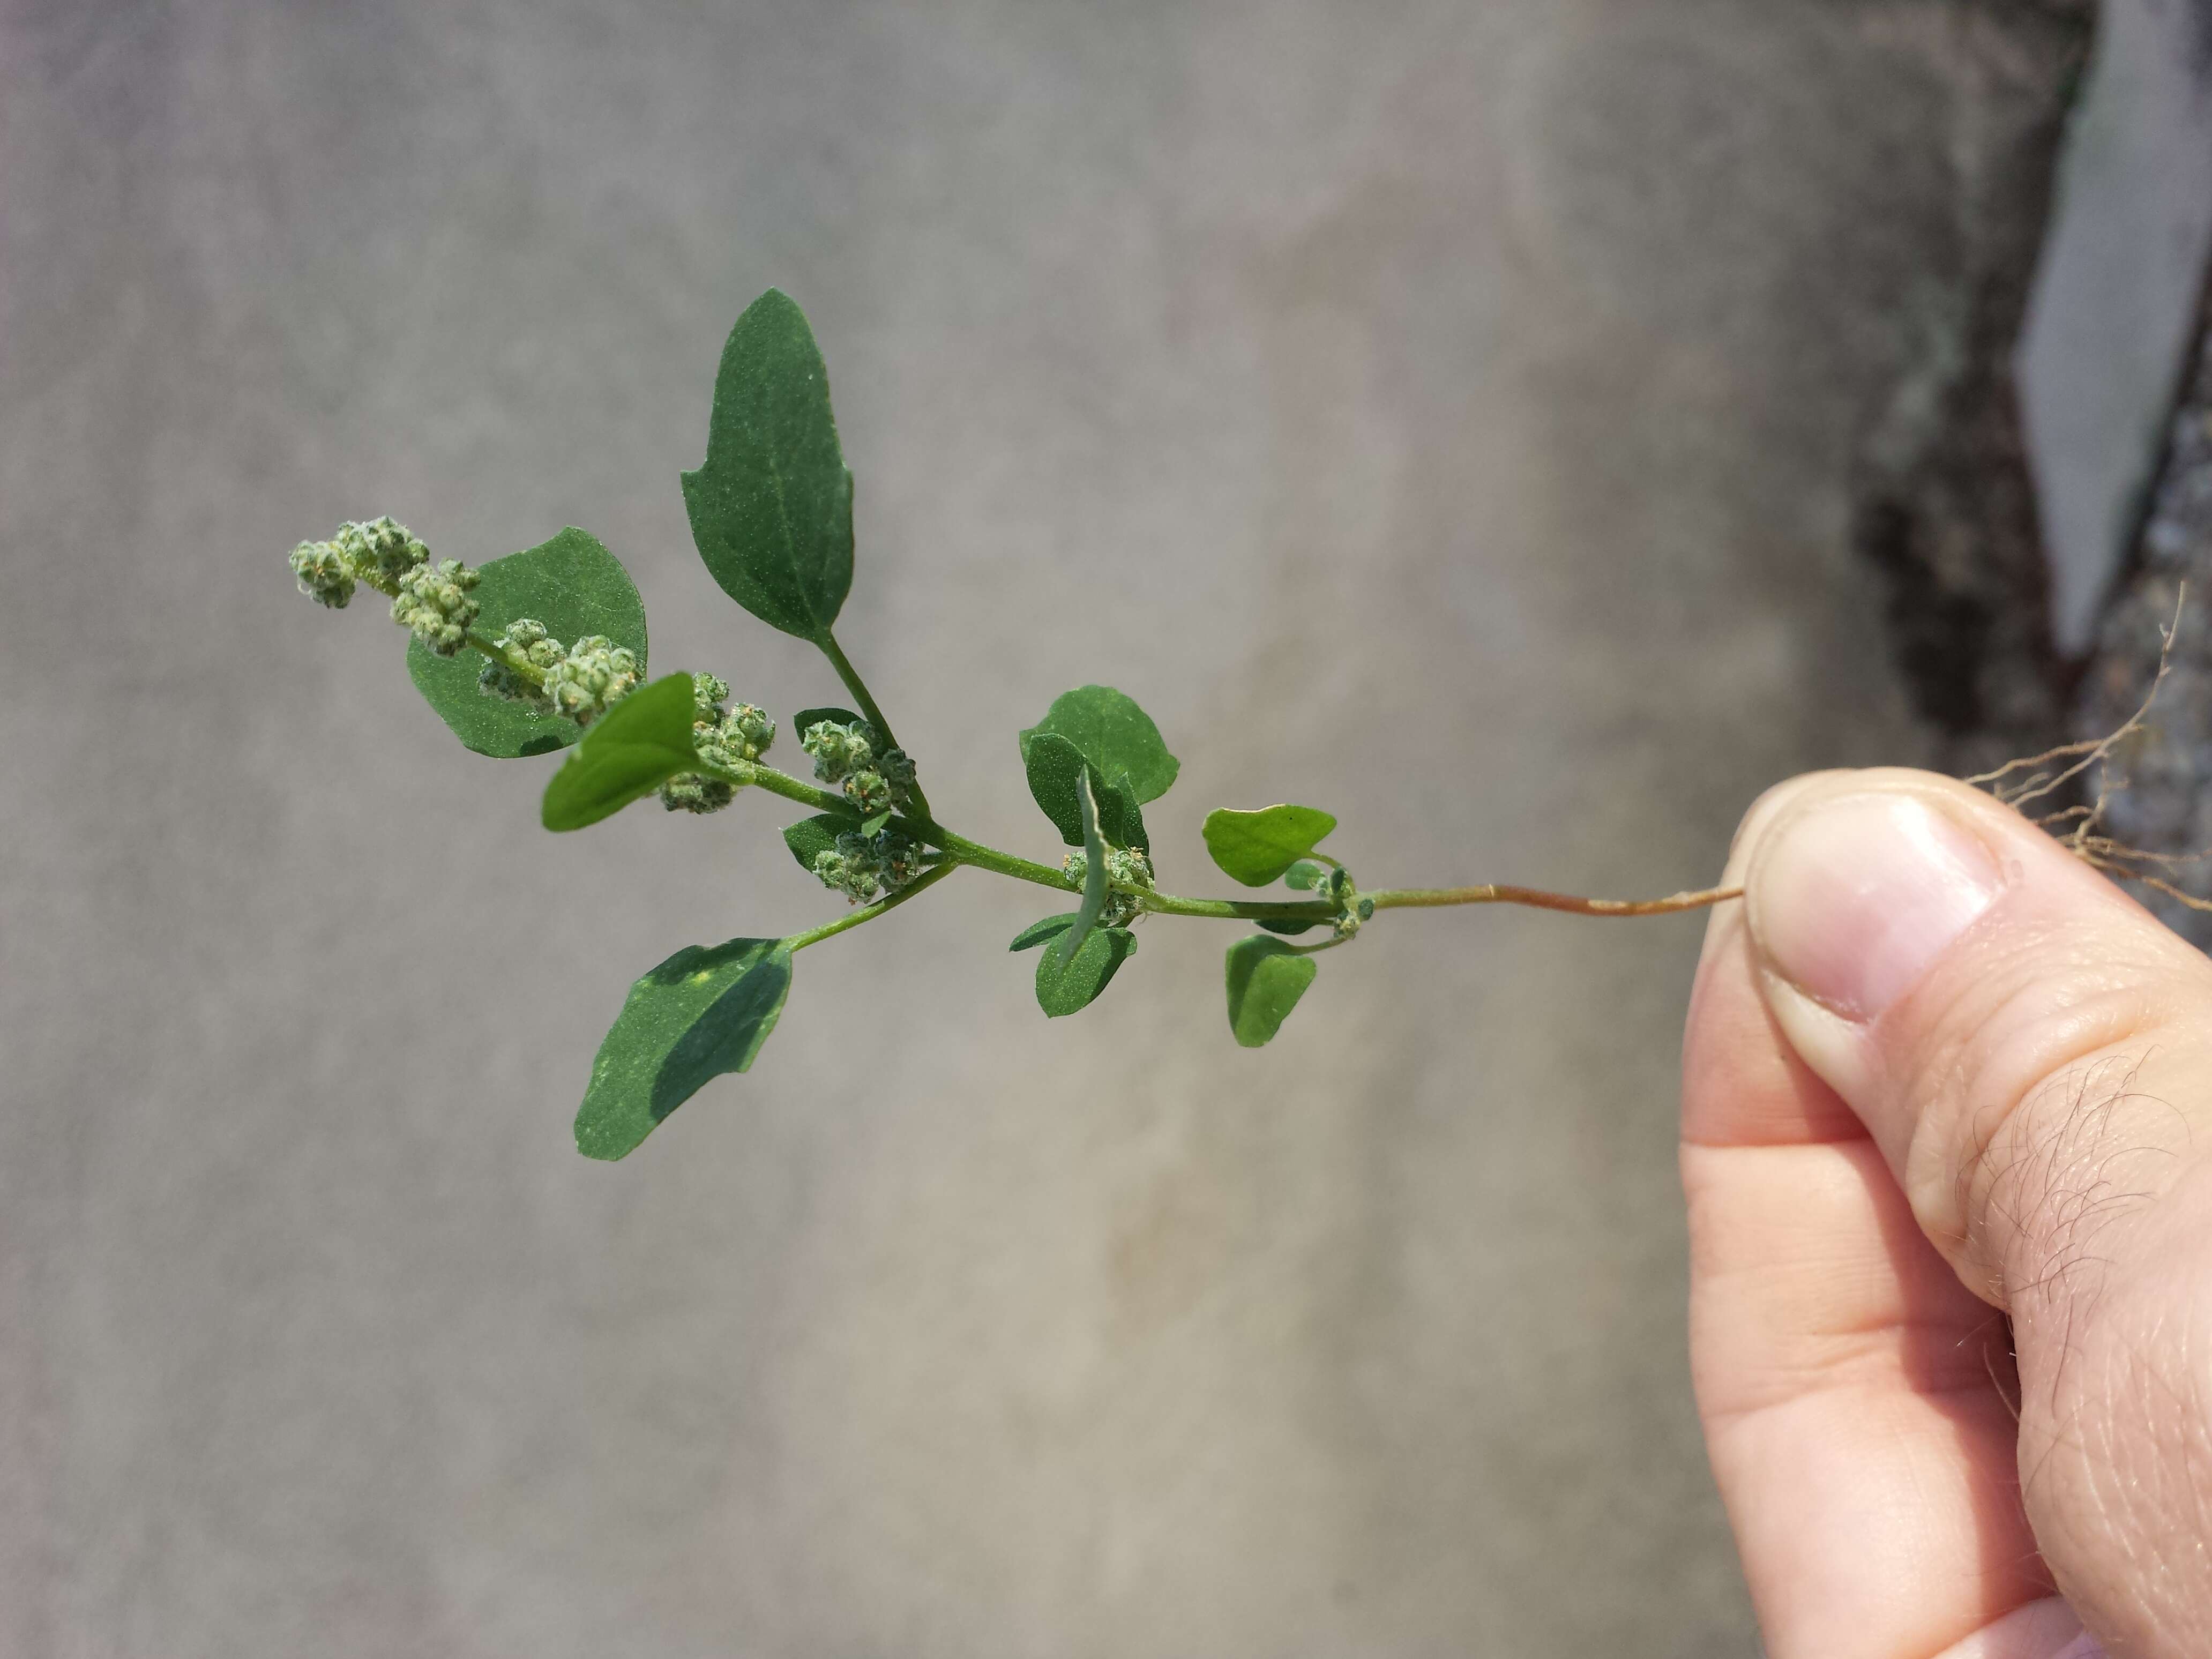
column 1851, row 901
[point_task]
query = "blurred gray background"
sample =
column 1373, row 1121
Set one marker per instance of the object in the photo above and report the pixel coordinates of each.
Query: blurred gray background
column 1444, row 413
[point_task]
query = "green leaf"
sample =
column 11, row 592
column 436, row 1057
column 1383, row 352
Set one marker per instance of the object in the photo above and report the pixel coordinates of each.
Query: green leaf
column 1069, row 987
column 1094, row 876
column 574, row 586
column 1056, row 772
column 810, row 838
column 1258, row 848
column 1112, row 733
column 772, row 506
column 1304, row 874
column 702, row 1013
column 631, row 751
column 1265, row 977
column 1290, row 928
column 806, row 717
column 1037, row 932
column 1120, row 819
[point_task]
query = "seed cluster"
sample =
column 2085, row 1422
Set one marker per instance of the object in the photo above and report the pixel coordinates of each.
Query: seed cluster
column 726, row 739
column 875, row 778
column 433, row 603
column 861, row 866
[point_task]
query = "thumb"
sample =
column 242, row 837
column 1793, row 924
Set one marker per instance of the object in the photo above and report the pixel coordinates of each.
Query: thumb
column 2032, row 1053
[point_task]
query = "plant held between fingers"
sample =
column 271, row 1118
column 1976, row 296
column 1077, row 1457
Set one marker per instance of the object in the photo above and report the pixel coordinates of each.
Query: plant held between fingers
column 545, row 649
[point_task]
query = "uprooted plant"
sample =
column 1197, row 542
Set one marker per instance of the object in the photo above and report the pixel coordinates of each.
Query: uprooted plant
column 546, row 648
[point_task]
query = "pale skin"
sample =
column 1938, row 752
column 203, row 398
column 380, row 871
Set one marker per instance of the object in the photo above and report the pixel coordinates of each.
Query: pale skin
column 1947, row 1098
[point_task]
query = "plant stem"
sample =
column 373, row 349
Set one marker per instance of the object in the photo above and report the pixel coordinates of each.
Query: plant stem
column 1171, row 904
column 781, row 783
column 1393, row 898
column 961, row 850
column 990, row 858
column 514, row 660
column 857, row 687
column 869, row 911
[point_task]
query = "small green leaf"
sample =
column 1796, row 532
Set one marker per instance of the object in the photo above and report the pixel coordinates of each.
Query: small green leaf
column 1265, row 977
column 701, row 1013
column 631, row 751
column 1115, row 736
column 1259, row 848
column 1304, row 874
column 874, row 821
column 575, row 588
column 1120, row 819
column 772, row 506
column 1069, row 987
column 1055, row 770
column 1094, row 875
column 1291, row 929
column 806, row 717
column 1037, row 932
column 810, row 838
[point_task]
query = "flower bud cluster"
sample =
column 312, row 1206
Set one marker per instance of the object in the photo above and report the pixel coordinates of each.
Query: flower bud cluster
column 1128, row 876
column 860, row 865
column 726, row 739
column 524, row 637
column 323, row 573
column 594, row 676
column 875, row 779
column 1335, row 885
column 379, row 552
column 433, row 603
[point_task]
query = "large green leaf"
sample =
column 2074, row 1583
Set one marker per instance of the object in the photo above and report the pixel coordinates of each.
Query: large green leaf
column 1093, row 876
column 810, row 838
column 1115, row 736
column 1266, row 978
column 772, row 506
column 1258, row 848
column 1055, row 773
column 702, row 1013
column 1068, row 987
column 575, row 588
column 631, row 751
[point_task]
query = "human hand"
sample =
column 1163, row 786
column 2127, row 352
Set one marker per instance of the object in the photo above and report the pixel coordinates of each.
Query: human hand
column 1937, row 1072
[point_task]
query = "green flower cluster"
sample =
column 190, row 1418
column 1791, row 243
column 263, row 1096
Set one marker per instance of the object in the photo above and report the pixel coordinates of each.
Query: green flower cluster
column 433, row 603
column 380, row 552
column 1333, row 884
column 1128, row 878
column 875, row 779
column 725, row 738
column 862, row 865
column 381, row 548
column 524, row 637
column 582, row 680
column 323, row 573
column 595, row 675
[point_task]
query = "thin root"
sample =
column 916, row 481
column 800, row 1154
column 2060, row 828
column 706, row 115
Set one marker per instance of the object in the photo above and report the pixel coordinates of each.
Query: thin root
column 2079, row 828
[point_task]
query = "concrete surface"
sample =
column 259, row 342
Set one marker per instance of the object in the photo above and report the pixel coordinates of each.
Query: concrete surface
column 1437, row 411
column 2116, row 296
